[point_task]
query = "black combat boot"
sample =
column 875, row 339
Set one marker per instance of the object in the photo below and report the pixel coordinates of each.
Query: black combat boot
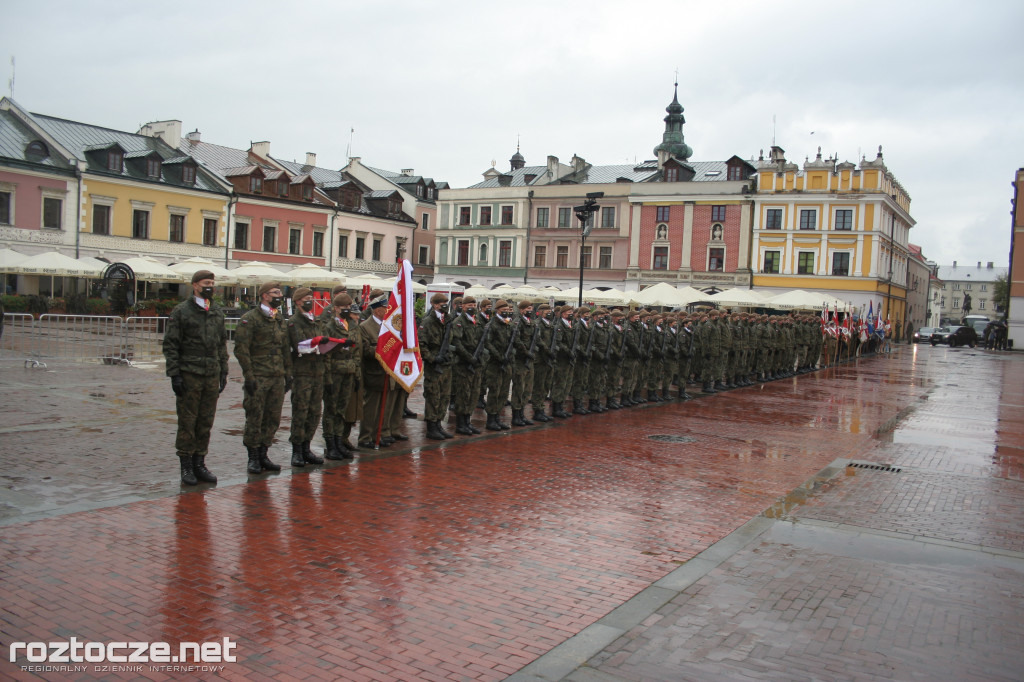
column 254, row 466
column 559, row 410
column 492, row 423
column 346, row 443
column 201, row 472
column 469, row 424
column 594, row 406
column 526, row 420
column 308, row 455
column 264, row 460
column 297, row 459
column 625, row 400
column 188, row 477
column 331, row 450
column 577, row 407
column 346, row 452
column 440, row 427
column 612, row 403
column 719, row 385
column 462, row 425
column 708, row 387
column 638, row 399
column 516, row 419
column 434, row 431
column 538, row 415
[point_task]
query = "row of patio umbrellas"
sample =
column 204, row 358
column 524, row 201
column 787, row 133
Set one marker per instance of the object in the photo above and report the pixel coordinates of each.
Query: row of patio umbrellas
column 146, row 268
column 56, row 264
column 665, row 295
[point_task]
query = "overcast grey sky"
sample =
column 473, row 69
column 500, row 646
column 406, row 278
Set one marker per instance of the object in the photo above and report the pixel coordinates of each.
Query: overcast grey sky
column 445, row 87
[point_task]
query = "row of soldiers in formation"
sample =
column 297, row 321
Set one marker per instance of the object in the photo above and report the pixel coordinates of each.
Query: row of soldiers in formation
column 490, row 352
column 482, row 354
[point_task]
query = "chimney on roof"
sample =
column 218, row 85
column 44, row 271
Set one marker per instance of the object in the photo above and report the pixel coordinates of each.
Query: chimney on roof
column 310, row 159
column 407, row 172
column 954, row 264
column 168, row 131
column 553, row 167
column 260, row 149
column 194, row 136
column 578, row 163
column 990, row 265
column 979, row 265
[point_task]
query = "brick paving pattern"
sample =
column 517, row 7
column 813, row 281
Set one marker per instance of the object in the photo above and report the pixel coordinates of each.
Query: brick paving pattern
column 878, row 575
column 468, row 560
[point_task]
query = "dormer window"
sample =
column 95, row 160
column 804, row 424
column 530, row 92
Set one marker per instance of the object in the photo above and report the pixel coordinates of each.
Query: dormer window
column 37, row 148
column 393, row 207
column 115, row 160
column 671, row 174
column 419, row 190
column 282, row 187
column 188, row 174
column 153, row 167
column 735, row 172
column 307, row 192
column 255, row 184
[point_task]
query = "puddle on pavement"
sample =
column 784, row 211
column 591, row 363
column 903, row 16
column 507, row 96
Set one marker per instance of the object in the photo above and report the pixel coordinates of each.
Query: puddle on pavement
column 844, row 543
column 941, row 439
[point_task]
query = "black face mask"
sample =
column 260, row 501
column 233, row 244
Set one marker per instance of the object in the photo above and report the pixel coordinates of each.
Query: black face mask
column 206, row 292
column 550, row 316
column 471, row 311
column 443, row 309
column 276, row 302
column 307, row 305
column 486, row 312
column 527, row 314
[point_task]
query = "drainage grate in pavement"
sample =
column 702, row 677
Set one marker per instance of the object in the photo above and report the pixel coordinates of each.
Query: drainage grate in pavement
column 874, row 467
column 665, row 438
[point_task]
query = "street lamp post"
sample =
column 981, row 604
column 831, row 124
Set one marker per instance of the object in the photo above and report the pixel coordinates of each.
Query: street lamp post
column 584, row 213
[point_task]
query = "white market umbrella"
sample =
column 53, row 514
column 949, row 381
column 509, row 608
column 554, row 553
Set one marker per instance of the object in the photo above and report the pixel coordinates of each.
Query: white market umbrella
column 664, row 294
column 256, row 272
column 9, row 258
column 527, row 291
column 56, row 264
column 740, row 297
column 190, row 266
column 357, row 282
column 606, row 297
column 150, row 269
column 477, row 292
column 310, row 274
column 797, row 299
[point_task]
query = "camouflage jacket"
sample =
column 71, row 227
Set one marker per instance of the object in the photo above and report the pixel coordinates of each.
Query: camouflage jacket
column 196, row 341
column 261, row 345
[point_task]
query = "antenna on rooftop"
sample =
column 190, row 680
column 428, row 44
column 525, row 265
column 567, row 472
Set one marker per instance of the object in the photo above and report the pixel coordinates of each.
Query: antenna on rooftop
column 10, row 81
column 351, row 134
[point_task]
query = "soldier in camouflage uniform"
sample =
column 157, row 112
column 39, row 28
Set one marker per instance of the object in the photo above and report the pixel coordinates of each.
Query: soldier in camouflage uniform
column 467, row 370
column 711, row 341
column 670, row 361
column 543, row 361
column 655, row 356
column 579, row 356
column 561, row 345
column 438, row 355
column 262, row 350
column 613, row 360
column 195, row 348
column 525, row 344
column 308, row 373
column 631, row 358
column 685, row 350
column 341, row 368
column 597, row 366
column 498, row 372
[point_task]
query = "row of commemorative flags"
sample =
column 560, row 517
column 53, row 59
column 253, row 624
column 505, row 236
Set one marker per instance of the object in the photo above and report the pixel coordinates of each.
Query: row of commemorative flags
column 398, row 348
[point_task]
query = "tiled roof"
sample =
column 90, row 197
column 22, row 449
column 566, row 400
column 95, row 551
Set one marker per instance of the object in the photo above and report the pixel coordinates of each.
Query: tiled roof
column 518, row 177
column 320, row 175
column 705, row 171
column 962, row 272
column 82, row 137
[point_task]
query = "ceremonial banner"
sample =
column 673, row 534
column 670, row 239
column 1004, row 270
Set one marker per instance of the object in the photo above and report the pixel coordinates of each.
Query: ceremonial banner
column 398, row 348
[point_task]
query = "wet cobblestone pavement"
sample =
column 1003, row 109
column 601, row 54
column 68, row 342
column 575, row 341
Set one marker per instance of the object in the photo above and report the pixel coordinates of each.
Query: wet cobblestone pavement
column 549, row 552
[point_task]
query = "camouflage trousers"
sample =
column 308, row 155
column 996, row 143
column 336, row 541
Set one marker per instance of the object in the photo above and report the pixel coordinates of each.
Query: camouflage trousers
column 522, row 383
column 598, row 379
column 580, row 380
column 307, row 405
column 337, row 394
column 497, row 379
column 468, row 383
column 630, row 376
column 263, row 411
column 561, row 381
column 437, row 389
column 542, row 375
column 197, row 406
column 653, row 374
column 613, row 380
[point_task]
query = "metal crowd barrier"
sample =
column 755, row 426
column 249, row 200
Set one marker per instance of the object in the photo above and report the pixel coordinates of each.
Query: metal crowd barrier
column 110, row 340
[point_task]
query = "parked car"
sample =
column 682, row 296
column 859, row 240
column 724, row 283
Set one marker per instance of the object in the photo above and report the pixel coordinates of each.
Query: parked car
column 924, row 334
column 956, row 336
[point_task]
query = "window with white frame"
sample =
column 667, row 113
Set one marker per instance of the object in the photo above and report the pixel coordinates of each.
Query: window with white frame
column 773, row 219
column 53, row 209
column 841, row 263
column 844, row 219
column 808, row 219
column 805, row 263
column 772, row 262
column 504, row 254
column 542, row 217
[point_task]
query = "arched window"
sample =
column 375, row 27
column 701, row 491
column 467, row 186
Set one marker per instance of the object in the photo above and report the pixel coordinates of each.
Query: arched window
column 483, row 253
column 37, row 148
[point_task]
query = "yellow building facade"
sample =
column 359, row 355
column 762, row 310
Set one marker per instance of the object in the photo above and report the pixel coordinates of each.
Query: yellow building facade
column 837, row 228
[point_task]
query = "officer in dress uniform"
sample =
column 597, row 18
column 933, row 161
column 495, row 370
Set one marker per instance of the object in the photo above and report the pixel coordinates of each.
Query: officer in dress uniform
column 196, row 354
column 374, row 381
column 263, row 352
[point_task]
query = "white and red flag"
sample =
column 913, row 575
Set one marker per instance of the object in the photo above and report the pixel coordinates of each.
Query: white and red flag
column 322, row 345
column 398, row 348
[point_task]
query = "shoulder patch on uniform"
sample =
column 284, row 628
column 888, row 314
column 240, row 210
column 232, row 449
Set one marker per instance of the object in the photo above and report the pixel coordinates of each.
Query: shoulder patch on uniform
column 243, row 321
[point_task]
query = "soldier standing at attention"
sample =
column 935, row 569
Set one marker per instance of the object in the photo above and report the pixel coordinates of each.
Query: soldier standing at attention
column 631, row 358
column 525, row 345
column 438, row 354
column 454, row 313
column 596, row 365
column 468, row 370
column 308, row 371
column 613, row 360
column 341, row 369
column 580, row 356
column 195, row 348
column 374, row 380
column 262, row 350
column 561, row 374
column 500, row 345
column 543, row 361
